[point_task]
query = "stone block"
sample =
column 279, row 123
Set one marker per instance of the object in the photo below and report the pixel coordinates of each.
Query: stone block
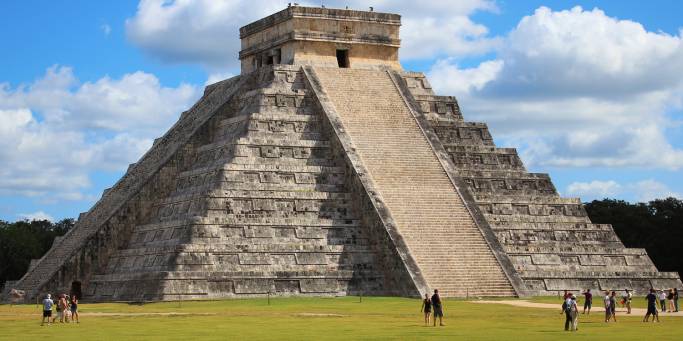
column 307, row 258
column 591, row 260
column 254, row 258
column 570, row 284
column 319, row 285
column 310, row 232
column 258, row 232
column 546, row 259
column 254, row 286
column 615, row 284
column 665, row 283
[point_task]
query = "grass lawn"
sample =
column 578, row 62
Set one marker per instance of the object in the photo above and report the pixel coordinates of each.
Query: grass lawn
column 342, row 318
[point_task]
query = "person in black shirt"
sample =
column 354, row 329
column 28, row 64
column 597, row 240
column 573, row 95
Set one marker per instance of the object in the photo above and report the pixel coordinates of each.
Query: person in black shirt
column 438, row 309
column 676, row 299
column 588, row 303
column 613, row 305
column 651, row 307
column 426, row 308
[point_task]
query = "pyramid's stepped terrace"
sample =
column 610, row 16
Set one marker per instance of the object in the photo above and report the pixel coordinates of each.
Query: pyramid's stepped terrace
column 325, row 169
column 263, row 208
column 550, row 240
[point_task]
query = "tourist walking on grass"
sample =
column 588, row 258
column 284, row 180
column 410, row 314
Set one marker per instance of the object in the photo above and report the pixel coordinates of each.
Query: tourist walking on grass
column 566, row 310
column 438, row 308
column 74, row 309
column 662, row 300
column 627, row 300
column 426, row 308
column 588, row 301
column 47, row 309
column 608, row 310
column 574, row 314
column 571, row 313
column 676, row 300
column 670, row 298
column 651, row 307
column 613, row 305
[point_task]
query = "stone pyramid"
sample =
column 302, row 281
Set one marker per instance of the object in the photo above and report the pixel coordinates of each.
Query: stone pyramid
column 325, row 169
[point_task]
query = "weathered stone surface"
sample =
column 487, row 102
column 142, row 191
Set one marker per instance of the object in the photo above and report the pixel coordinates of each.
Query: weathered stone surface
column 310, row 179
column 549, row 240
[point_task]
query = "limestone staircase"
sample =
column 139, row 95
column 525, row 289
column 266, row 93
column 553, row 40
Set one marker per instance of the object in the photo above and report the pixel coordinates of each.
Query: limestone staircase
column 550, row 240
column 441, row 235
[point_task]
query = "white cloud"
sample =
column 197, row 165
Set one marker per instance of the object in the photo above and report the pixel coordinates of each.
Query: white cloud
column 217, row 77
column 447, row 75
column 39, row 215
column 642, row 191
column 594, row 189
column 207, row 31
column 56, row 131
column 576, row 88
column 202, row 31
column 650, row 189
column 106, row 29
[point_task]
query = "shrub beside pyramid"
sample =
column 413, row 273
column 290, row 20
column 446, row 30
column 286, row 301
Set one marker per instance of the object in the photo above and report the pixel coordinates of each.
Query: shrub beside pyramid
column 325, row 169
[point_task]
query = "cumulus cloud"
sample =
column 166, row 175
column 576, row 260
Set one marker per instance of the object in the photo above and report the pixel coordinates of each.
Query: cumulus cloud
column 38, row 215
column 642, row 191
column 577, row 88
column 206, row 31
column 56, row 131
column 202, row 31
column 650, row 189
column 594, row 189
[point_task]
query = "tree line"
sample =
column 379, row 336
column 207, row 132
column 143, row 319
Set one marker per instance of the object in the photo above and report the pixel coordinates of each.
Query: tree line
column 24, row 240
column 656, row 226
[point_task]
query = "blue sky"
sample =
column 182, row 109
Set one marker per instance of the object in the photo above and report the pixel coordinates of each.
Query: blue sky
column 591, row 95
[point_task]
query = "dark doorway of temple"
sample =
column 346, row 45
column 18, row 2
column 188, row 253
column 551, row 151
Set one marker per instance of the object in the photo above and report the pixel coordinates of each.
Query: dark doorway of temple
column 343, row 58
column 76, row 289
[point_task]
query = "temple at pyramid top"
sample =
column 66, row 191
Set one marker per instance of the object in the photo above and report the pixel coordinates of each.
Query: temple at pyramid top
column 322, row 37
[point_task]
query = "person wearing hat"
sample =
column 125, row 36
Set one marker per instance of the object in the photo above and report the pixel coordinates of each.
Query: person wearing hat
column 566, row 309
column 574, row 313
column 47, row 309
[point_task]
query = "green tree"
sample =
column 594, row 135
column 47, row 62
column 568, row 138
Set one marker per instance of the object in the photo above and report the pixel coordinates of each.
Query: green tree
column 24, row 240
column 656, row 226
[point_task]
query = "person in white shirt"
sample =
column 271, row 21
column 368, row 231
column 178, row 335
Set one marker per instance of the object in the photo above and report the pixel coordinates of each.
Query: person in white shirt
column 662, row 300
column 47, row 309
column 627, row 300
column 608, row 310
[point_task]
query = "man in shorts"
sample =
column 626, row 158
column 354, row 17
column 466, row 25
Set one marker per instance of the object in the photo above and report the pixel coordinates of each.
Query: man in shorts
column 47, row 309
column 651, row 307
column 588, row 303
column 438, row 308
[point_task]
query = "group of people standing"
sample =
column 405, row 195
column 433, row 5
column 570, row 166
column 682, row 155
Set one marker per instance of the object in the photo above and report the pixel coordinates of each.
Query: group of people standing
column 433, row 303
column 663, row 297
column 66, row 307
column 570, row 307
column 610, row 303
column 668, row 298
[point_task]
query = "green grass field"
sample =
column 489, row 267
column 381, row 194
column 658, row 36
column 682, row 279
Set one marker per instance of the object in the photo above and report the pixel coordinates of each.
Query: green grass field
column 343, row 318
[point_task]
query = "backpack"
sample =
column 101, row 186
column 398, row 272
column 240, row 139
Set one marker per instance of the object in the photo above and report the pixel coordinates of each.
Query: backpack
column 567, row 307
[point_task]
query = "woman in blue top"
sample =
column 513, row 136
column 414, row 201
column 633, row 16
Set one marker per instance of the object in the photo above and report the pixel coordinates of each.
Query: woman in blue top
column 74, row 309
